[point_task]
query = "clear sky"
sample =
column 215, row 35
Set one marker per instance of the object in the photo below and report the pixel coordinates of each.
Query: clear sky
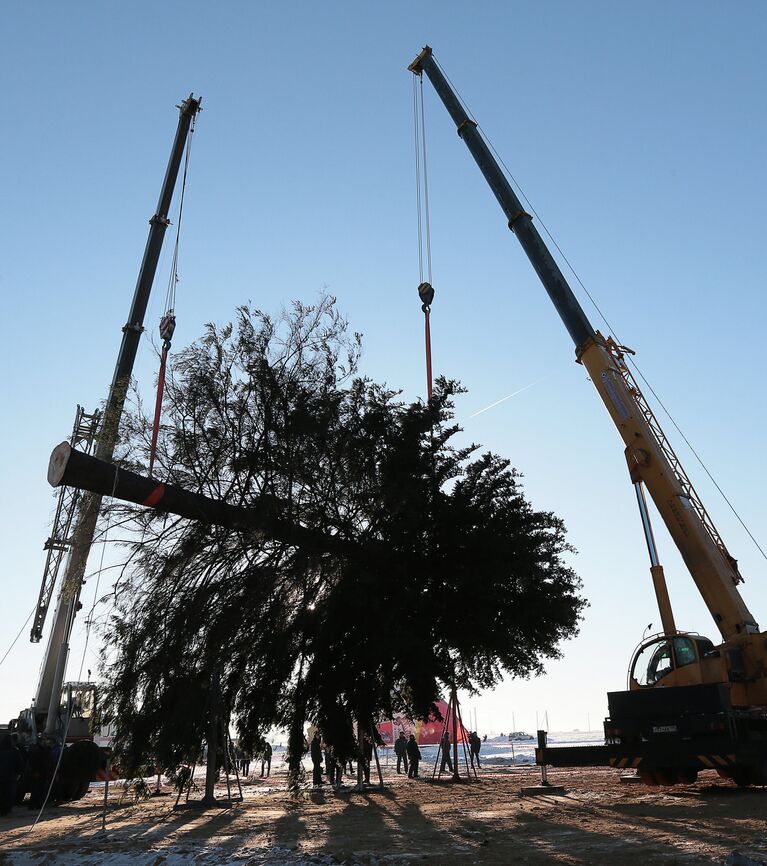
column 637, row 131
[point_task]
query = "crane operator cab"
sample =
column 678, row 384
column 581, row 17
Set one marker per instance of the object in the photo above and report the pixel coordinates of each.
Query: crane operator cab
column 77, row 711
column 682, row 659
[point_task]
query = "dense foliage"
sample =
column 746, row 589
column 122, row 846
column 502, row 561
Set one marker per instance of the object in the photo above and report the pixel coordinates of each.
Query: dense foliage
column 436, row 569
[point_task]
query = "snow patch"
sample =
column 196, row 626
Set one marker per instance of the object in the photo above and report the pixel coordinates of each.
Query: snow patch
column 212, row 856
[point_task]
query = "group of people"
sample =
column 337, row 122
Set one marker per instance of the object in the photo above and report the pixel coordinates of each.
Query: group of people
column 446, row 746
column 327, row 762
column 408, row 754
column 264, row 754
column 323, row 755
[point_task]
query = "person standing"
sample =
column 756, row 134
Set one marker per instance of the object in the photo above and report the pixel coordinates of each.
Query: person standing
column 475, row 744
column 316, row 753
column 400, row 750
column 244, row 764
column 446, row 745
column 414, row 756
column 266, row 759
column 334, row 766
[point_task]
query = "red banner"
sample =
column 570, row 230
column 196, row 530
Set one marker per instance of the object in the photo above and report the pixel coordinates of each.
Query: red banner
column 427, row 732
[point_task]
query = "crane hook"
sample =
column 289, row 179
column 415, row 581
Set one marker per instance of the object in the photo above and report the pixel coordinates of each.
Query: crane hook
column 426, row 294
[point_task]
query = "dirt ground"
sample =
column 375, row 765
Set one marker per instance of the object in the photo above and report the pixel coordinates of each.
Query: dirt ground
column 599, row 820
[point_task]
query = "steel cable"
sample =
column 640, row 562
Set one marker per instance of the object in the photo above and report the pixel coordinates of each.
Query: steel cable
column 604, row 318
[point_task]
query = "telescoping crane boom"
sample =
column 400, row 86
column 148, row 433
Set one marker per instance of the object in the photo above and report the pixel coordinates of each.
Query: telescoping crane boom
column 45, row 716
column 682, row 687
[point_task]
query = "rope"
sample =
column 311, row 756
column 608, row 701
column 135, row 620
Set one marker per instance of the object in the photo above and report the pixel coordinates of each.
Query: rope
column 425, row 188
column 602, row 316
column 170, row 297
column 13, row 642
column 418, row 179
column 425, row 290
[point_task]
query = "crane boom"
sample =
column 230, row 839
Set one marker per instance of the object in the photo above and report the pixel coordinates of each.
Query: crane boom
column 48, row 695
column 650, row 458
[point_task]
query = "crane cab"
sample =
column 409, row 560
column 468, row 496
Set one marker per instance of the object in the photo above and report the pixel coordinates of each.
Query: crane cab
column 78, row 705
column 681, row 659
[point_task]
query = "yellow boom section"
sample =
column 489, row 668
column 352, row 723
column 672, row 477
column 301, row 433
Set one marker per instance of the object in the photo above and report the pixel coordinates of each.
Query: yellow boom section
column 652, row 461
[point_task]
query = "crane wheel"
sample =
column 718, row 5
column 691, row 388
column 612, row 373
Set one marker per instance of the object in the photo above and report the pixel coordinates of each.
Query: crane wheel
column 742, row 776
column 79, row 764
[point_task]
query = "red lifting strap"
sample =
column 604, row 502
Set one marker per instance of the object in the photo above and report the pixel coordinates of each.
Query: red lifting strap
column 158, row 407
column 167, row 327
column 428, row 350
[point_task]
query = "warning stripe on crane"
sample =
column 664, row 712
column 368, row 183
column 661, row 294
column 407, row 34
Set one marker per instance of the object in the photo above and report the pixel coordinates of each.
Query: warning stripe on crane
column 710, row 762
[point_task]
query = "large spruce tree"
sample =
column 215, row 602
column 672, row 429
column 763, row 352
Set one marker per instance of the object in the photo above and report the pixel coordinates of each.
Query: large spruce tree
column 437, row 570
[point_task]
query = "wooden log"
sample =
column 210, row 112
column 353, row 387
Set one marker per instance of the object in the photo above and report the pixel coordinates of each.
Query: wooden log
column 73, row 468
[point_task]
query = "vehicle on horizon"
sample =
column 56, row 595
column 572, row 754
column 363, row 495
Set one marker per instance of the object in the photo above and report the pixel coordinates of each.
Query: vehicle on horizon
column 521, row 737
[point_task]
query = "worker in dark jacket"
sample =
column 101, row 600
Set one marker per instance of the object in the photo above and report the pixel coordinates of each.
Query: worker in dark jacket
column 414, row 756
column 266, row 758
column 11, row 765
column 316, row 753
column 475, row 744
column 400, row 750
column 446, row 745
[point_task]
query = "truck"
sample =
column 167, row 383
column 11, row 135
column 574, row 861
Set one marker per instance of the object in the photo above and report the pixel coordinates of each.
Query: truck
column 61, row 720
column 692, row 703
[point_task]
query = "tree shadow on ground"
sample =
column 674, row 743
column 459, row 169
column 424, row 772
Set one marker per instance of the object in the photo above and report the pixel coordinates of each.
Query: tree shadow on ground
column 692, row 820
column 574, row 842
column 290, row 830
column 191, row 821
column 374, row 821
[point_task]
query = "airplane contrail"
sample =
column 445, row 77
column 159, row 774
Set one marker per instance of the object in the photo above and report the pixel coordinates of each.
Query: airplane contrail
column 507, row 397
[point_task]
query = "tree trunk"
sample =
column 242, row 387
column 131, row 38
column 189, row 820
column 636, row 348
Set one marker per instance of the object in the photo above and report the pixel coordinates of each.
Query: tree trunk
column 214, row 719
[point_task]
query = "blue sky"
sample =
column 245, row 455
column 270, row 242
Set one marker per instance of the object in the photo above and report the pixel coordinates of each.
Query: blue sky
column 637, row 131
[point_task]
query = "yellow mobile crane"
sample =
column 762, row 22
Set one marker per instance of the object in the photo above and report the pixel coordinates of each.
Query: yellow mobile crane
column 690, row 704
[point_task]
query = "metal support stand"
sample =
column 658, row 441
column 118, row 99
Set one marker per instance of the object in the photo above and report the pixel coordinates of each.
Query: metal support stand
column 103, row 831
column 545, row 787
column 454, row 716
column 216, row 728
column 378, row 763
column 542, row 745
